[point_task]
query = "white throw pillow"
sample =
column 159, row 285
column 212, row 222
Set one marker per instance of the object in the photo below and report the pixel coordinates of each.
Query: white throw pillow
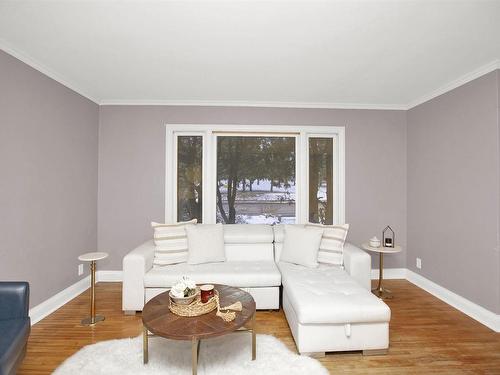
column 301, row 245
column 205, row 244
column 170, row 243
column 331, row 249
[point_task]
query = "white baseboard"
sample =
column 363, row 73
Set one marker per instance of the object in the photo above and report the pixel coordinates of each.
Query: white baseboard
column 479, row 313
column 109, row 276
column 50, row 305
column 469, row 308
column 390, row 273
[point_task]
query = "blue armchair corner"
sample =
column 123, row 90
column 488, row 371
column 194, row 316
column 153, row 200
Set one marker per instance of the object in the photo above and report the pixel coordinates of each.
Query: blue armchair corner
column 15, row 324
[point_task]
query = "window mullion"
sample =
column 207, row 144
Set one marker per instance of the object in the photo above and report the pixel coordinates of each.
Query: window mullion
column 302, row 178
column 210, row 165
column 170, row 176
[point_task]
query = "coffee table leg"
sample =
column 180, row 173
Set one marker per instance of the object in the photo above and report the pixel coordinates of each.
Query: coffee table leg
column 254, row 341
column 195, row 353
column 145, row 345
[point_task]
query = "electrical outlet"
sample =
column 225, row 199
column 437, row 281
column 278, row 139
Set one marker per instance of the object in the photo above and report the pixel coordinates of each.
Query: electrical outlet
column 80, row 269
column 419, row 263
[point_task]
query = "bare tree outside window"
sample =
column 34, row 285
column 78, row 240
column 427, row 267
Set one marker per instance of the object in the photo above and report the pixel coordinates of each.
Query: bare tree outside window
column 321, row 180
column 189, row 178
column 255, row 179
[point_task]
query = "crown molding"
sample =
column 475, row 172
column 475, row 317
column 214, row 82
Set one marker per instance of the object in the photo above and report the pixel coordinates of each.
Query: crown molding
column 243, row 103
column 485, row 69
column 481, row 71
column 4, row 46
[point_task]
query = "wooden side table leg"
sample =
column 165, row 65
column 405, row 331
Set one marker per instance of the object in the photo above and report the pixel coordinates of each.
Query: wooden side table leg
column 254, row 339
column 145, row 347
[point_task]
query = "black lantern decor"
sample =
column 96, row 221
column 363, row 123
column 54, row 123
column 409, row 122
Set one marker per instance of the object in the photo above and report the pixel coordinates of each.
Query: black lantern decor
column 388, row 237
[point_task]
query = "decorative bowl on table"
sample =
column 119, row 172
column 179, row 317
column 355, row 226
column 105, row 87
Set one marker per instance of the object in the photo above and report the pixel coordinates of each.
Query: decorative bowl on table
column 184, row 300
column 184, row 292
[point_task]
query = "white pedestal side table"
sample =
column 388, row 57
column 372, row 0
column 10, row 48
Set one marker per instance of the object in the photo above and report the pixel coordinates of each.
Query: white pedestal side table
column 92, row 258
column 380, row 291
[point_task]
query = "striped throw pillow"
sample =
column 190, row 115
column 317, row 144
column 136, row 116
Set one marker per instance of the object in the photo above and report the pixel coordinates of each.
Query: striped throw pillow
column 331, row 248
column 171, row 245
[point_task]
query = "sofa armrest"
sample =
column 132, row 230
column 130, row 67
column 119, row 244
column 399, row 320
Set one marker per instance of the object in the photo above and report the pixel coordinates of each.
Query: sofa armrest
column 358, row 264
column 135, row 265
column 14, row 299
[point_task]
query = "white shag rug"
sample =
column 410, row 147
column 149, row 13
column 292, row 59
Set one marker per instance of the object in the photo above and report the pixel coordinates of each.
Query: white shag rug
column 230, row 354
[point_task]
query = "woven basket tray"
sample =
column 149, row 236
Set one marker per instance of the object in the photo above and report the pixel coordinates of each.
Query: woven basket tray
column 196, row 308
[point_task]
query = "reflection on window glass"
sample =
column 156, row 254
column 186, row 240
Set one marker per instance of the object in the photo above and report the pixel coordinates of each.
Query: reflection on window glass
column 189, row 178
column 255, row 180
column 321, row 180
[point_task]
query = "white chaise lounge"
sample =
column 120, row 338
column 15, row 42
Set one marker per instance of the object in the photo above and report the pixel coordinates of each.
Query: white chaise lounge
column 331, row 308
column 328, row 308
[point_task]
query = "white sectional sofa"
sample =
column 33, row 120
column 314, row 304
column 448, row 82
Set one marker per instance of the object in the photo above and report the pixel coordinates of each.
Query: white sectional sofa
column 249, row 265
column 328, row 308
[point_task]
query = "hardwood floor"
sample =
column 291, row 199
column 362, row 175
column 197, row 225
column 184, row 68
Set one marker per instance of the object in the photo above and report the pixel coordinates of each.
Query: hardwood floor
column 427, row 336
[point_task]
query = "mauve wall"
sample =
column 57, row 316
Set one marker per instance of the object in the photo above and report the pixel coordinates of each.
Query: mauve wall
column 453, row 190
column 132, row 168
column 48, row 179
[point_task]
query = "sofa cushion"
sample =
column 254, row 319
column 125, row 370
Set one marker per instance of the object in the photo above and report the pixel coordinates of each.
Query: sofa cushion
column 301, row 245
column 248, row 234
column 279, row 238
column 170, row 243
column 13, row 337
column 328, row 294
column 331, row 249
column 205, row 243
column 249, row 252
column 240, row 274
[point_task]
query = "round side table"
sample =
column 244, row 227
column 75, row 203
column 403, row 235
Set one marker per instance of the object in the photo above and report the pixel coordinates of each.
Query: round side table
column 380, row 291
column 92, row 258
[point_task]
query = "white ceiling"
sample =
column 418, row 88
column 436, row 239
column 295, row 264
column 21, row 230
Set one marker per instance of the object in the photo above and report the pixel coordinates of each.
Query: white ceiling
column 370, row 54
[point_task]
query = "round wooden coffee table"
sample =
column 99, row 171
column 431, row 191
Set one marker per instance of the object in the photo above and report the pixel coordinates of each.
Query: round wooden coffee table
column 160, row 321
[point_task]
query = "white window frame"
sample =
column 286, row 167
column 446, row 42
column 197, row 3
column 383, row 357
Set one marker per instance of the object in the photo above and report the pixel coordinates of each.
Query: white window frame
column 209, row 160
